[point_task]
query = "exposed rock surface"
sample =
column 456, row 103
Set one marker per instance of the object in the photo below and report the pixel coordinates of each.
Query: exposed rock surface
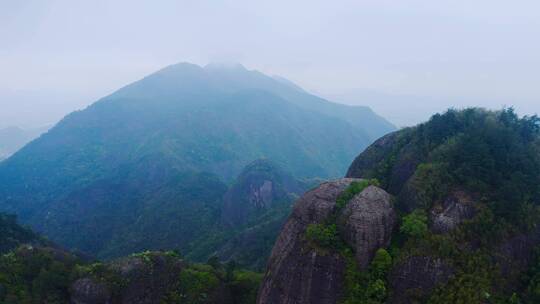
column 416, row 277
column 456, row 208
column 261, row 185
column 90, row 291
column 368, row 221
column 296, row 272
column 515, row 255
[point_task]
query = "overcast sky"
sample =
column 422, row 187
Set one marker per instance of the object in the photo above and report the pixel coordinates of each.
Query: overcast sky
column 404, row 59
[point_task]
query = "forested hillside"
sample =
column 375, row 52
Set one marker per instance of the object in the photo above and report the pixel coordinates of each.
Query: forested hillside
column 468, row 186
column 148, row 166
column 34, row 271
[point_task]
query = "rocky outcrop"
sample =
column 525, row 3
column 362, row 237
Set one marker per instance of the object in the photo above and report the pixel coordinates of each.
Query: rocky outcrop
column 142, row 279
column 297, row 272
column 456, row 208
column 149, row 277
column 416, row 277
column 515, row 255
column 90, row 291
column 261, row 186
column 367, row 223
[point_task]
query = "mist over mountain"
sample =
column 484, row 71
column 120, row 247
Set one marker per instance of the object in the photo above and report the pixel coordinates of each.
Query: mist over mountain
column 147, row 167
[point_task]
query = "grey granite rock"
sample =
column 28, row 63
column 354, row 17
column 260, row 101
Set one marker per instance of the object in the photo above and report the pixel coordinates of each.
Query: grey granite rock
column 367, row 223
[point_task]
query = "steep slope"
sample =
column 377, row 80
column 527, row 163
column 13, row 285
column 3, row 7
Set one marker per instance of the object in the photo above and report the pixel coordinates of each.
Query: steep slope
column 466, row 187
column 146, row 167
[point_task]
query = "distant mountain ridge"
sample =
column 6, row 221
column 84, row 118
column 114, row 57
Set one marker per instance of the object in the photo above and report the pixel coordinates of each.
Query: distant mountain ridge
column 14, row 138
column 148, row 165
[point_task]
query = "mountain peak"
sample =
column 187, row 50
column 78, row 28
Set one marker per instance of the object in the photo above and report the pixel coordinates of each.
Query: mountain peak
column 225, row 66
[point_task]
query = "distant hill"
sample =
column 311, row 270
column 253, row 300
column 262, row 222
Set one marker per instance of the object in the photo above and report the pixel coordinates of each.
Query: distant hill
column 14, row 138
column 147, row 166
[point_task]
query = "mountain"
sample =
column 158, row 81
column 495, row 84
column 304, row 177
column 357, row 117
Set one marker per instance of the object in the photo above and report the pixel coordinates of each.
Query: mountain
column 14, row 138
column 148, row 166
column 444, row 212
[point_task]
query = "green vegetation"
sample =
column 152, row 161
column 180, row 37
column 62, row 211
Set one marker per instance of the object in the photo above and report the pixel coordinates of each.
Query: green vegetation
column 215, row 282
column 415, row 224
column 44, row 275
column 12, row 234
column 36, row 274
column 366, row 287
column 494, row 157
column 325, row 236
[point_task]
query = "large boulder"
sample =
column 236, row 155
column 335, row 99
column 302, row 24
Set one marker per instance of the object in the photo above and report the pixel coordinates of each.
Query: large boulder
column 297, row 273
column 367, row 223
column 301, row 273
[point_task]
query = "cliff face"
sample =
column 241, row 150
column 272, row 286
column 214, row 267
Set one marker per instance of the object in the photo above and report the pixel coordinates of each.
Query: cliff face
column 261, row 186
column 299, row 272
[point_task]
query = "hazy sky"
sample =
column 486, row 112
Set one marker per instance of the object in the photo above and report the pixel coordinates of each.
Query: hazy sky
column 405, row 59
